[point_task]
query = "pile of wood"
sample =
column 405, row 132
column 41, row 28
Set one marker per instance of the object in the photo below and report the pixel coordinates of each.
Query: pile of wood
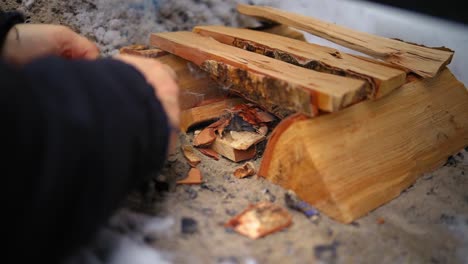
column 236, row 132
column 355, row 131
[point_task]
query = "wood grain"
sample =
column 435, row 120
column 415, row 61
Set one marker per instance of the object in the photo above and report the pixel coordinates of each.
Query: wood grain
column 381, row 79
column 424, row 61
column 353, row 161
column 266, row 81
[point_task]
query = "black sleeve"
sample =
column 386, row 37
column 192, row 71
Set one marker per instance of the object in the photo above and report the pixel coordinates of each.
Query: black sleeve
column 77, row 136
column 7, row 21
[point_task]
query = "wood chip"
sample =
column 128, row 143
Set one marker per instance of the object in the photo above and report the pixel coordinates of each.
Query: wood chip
column 209, row 152
column 263, row 130
column 224, row 148
column 243, row 140
column 194, row 177
column 220, row 125
column 264, row 117
column 260, row 220
column 191, row 156
column 246, row 170
column 205, row 138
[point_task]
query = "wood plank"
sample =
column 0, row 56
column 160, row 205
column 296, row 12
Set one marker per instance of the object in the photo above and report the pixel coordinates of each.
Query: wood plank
column 381, row 79
column 424, row 61
column 204, row 113
column 353, row 161
column 266, row 81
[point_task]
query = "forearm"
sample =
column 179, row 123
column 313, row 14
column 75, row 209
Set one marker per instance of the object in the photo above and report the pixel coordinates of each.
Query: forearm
column 84, row 133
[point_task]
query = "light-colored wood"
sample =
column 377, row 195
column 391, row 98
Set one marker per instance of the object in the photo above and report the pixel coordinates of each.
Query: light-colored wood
column 424, row 61
column 281, row 30
column 207, row 112
column 266, row 81
column 381, row 79
column 353, row 161
column 223, row 146
column 243, row 140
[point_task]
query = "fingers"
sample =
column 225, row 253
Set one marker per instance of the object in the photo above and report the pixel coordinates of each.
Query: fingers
column 75, row 46
column 26, row 42
column 162, row 79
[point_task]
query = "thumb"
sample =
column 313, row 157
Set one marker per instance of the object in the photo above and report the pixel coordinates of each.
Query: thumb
column 80, row 47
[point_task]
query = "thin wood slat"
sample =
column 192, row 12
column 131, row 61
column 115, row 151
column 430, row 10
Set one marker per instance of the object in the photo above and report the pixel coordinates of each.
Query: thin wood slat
column 381, row 79
column 424, row 61
column 271, row 83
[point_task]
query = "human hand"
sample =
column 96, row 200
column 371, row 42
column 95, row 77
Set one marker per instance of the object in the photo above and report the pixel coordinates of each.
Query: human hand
column 163, row 80
column 26, row 42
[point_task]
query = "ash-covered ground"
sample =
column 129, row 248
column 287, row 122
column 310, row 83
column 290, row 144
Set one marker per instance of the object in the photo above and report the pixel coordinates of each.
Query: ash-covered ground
column 428, row 223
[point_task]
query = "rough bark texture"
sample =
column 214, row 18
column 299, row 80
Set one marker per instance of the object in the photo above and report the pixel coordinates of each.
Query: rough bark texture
column 276, row 96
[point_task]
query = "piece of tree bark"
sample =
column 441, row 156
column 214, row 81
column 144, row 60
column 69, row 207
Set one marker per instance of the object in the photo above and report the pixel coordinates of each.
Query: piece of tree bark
column 271, row 83
column 246, row 170
column 260, row 219
column 143, row 51
column 353, row 161
column 224, row 148
column 189, row 153
column 204, row 138
column 209, row 153
column 380, row 79
column 206, row 112
column 194, row 177
column 424, row 61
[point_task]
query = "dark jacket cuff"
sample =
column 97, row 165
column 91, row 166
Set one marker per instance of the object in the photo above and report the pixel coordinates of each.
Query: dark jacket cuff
column 7, row 21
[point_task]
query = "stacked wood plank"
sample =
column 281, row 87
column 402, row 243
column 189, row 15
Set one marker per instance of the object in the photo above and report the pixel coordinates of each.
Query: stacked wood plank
column 380, row 80
column 355, row 131
column 426, row 62
column 271, row 83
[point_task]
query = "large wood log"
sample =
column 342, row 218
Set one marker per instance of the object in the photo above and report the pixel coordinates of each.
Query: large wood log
column 381, row 79
column 353, row 161
column 280, row 87
column 424, row 61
